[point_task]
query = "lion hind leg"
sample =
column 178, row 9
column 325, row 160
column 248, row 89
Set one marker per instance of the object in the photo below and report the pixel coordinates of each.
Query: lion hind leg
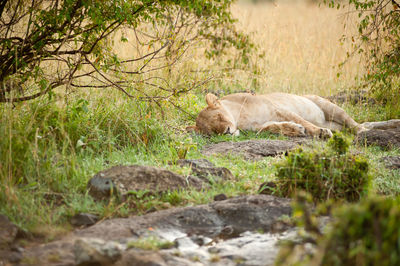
column 334, row 113
column 310, row 128
column 285, row 128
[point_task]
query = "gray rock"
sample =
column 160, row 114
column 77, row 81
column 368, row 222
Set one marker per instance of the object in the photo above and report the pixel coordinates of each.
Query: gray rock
column 202, row 163
column 387, row 139
column 267, row 188
column 84, row 219
column 353, row 97
column 93, row 251
column 141, row 258
column 119, row 180
column 390, row 124
column 8, row 231
column 194, row 230
column 392, row 162
column 220, row 197
column 254, row 149
column 205, row 169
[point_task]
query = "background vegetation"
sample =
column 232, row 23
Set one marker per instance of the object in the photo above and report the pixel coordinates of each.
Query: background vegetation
column 52, row 145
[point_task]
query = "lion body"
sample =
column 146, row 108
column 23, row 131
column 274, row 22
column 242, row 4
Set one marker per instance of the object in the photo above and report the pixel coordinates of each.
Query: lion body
column 284, row 113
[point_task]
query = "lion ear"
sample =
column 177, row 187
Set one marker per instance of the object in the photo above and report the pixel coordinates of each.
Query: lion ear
column 212, row 100
column 191, row 129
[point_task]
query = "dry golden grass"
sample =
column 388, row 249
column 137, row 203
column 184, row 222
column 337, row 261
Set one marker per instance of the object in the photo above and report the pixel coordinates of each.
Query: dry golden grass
column 300, row 41
column 301, row 45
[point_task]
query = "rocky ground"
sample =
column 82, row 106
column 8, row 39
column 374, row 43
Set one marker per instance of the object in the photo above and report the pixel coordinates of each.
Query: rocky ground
column 243, row 230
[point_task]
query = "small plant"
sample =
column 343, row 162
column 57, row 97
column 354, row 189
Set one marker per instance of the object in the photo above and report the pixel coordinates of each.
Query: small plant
column 326, row 173
column 150, row 243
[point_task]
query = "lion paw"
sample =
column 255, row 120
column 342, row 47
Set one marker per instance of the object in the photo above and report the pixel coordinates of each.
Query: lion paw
column 325, row 133
column 300, row 130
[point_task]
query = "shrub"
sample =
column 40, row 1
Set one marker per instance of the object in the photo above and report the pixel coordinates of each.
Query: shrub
column 327, row 173
column 366, row 233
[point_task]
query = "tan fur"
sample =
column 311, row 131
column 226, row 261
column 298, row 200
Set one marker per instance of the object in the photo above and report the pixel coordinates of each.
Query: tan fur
column 282, row 113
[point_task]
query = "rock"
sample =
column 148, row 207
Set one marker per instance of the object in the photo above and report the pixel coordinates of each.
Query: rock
column 384, row 138
column 10, row 252
column 267, row 188
column 353, row 97
column 141, row 258
column 120, row 180
column 93, row 251
column 84, row 219
column 254, row 149
column 195, row 163
column 8, row 231
column 205, row 169
column 392, row 162
column 220, row 197
column 231, row 226
column 390, row 124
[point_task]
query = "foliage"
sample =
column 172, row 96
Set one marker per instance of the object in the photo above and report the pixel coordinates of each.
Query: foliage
column 378, row 41
column 150, row 243
column 48, row 44
column 365, row 233
column 326, row 173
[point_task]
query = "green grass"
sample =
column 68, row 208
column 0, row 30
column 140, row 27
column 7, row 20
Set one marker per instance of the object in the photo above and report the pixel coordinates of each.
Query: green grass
column 49, row 151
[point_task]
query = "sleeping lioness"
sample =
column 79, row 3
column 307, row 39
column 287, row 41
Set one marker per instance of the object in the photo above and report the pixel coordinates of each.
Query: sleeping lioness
column 283, row 113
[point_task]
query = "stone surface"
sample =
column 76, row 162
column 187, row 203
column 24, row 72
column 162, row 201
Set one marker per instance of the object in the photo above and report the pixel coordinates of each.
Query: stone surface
column 392, row 162
column 94, row 251
column 390, row 124
column 225, row 232
column 9, row 251
column 141, row 258
column 220, row 197
column 121, row 179
column 254, row 149
column 353, row 97
column 267, row 188
column 205, row 169
column 84, row 219
column 8, row 231
column 388, row 138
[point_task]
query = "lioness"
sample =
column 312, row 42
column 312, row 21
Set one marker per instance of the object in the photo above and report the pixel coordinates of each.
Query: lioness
column 283, row 113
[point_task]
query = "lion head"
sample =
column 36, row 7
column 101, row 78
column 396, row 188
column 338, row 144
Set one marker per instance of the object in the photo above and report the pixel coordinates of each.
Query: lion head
column 215, row 118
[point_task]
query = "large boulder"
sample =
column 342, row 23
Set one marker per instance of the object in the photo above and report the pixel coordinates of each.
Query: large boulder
column 228, row 231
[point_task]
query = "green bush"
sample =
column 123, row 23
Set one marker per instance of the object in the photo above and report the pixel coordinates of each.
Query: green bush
column 364, row 233
column 326, row 173
column 367, row 233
